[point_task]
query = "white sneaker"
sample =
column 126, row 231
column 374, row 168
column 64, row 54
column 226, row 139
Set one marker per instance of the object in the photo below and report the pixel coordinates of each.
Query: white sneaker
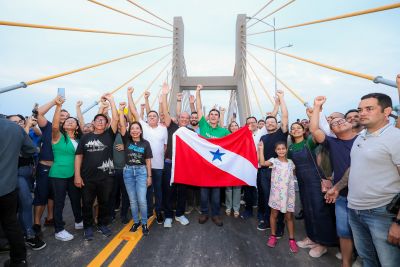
column 306, row 243
column 64, row 236
column 79, row 226
column 338, row 255
column 182, row 219
column 167, row 223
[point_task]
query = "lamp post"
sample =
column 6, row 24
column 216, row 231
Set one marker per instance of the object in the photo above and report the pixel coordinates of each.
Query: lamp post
column 275, row 50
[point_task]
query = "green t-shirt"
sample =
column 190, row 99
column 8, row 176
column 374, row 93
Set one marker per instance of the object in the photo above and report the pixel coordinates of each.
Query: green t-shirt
column 209, row 132
column 64, row 158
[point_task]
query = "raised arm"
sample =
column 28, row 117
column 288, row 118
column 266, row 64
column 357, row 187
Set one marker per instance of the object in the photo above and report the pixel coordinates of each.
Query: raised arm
column 79, row 115
column 284, row 110
column 221, row 117
column 198, row 101
column 142, row 107
column 316, row 132
column 191, row 103
column 28, row 124
column 146, row 101
column 55, row 130
column 274, row 112
column 163, row 104
column 121, row 121
column 42, row 110
column 114, row 112
column 260, row 154
column 178, row 104
column 131, row 105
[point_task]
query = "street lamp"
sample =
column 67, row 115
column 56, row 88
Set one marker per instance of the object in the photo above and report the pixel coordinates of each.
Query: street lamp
column 275, row 50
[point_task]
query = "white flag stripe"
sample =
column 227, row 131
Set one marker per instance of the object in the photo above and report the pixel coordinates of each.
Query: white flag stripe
column 232, row 163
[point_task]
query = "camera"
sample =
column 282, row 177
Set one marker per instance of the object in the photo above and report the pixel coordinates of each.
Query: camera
column 35, row 110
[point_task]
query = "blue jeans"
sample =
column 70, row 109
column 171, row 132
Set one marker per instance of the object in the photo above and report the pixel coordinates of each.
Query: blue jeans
column 232, row 198
column 25, row 200
column 135, row 178
column 370, row 229
column 155, row 188
column 342, row 218
column 204, row 197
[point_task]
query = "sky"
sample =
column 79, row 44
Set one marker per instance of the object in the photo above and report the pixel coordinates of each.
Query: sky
column 368, row 44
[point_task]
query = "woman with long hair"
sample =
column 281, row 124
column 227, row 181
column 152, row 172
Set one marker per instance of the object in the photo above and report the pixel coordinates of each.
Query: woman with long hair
column 319, row 217
column 232, row 193
column 64, row 139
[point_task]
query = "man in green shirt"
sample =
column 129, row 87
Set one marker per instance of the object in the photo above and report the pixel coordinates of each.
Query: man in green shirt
column 209, row 129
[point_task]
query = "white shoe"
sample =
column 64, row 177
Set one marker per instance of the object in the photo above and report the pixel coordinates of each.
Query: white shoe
column 306, row 243
column 338, row 255
column 182, row 219
column 79, row 226
column 318, row 251
column 64, row 236
column 168, row 223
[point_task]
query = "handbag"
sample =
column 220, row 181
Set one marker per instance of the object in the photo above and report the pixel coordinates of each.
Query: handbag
column 326, row 184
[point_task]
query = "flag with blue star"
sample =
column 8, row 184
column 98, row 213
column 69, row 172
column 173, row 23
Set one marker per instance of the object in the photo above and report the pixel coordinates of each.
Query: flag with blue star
column 217, row 155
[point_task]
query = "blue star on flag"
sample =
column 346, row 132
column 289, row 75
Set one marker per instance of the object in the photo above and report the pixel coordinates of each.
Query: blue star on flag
column 217, row 155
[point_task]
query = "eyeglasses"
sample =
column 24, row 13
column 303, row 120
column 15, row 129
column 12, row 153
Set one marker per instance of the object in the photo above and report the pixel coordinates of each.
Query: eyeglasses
column 338, row 122
column 100, row 120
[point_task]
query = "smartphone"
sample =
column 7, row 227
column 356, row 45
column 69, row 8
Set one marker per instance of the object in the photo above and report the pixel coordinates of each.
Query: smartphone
column 234, row 114
column 61, row 92
column 35, row 110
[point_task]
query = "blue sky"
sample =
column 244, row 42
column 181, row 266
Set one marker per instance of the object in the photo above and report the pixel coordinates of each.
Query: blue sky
column 368, row 44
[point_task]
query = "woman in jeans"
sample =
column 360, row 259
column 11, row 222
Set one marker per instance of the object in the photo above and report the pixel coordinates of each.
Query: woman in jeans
column 137, row 171
column 64, row 139
column 232, row 193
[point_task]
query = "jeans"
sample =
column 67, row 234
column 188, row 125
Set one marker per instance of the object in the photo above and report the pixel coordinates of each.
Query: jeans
column 102, row 190
column 11, row 227
column 249, row 193
column 232, row 198
column 119, row 188
column 215, row 204
column 43, row 190
column 169, row 191
column 135, row 178
column 60, row 188
column 264, row 189
column 25, row 199
column 155, row 190
column 370, row 229
column 342, row 218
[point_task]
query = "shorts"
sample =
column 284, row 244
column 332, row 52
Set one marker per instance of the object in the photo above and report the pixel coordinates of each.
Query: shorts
column 43, row 190
column 342, row 218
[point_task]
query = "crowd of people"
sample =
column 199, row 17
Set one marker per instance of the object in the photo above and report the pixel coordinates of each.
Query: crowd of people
column 346, row 167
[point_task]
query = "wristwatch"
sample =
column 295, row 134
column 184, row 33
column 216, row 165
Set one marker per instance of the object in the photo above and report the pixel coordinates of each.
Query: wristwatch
column 396, row 220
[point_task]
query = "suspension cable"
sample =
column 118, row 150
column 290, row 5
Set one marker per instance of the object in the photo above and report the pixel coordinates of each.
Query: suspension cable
column 60, row 28
column 26, row 84
column 129, row 15
column 147, row 11
column 261, row 9
column 348, row 15
column 273, row 12
column 261, row 84
column 254, row 92
column 376, row 79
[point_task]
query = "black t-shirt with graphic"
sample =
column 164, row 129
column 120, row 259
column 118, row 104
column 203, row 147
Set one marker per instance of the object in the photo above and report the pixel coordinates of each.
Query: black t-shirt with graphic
column 136, row 153
column 97, row 151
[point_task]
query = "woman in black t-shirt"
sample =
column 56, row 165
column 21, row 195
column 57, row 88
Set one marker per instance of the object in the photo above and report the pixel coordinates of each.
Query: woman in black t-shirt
column 137, row 173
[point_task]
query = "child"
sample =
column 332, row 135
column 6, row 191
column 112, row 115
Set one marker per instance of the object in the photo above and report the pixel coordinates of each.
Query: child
column 282, row 194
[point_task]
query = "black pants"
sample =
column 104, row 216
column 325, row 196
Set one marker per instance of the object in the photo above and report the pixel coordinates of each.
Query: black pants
column 102, row 190
column 62, row 186
column 119, row 191
column 172, row 193
column 11, row 226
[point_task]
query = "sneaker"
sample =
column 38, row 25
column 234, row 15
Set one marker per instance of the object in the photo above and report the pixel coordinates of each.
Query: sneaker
column 168, row 223
column 228, row 212
column 242, row 202
column 79, row 226
column 35, row 243
column 262, row 226
column 338, row 255
column 8, row 263
column 203, row 219
column 37, row 229
column 293, row 246
column 217, row 220
column 88, row 234
column 189, row 210
column 124, row 220
column 272, row 240
column 182, row 219
column 236, row 214
column 318, row 251
column 306, row 243
column 64, row 235
column 134, row 227
column 246, row 215
column 104, row 230
column 145, row 230
column 48, row 222
column 160, row 218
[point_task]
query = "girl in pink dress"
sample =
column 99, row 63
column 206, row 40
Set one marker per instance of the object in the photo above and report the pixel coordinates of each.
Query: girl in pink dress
column 282, row 194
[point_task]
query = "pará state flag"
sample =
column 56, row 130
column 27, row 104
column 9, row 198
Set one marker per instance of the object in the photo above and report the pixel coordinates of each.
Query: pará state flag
column 214, row 162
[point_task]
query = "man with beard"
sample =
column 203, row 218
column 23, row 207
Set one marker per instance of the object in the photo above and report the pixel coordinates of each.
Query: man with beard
column 353, row 117
column 194, row 122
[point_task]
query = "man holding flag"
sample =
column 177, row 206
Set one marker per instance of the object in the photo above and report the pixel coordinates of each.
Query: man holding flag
column 215, row 160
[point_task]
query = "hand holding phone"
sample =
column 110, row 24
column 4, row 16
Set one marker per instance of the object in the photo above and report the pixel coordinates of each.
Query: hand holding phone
column 61, row 92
